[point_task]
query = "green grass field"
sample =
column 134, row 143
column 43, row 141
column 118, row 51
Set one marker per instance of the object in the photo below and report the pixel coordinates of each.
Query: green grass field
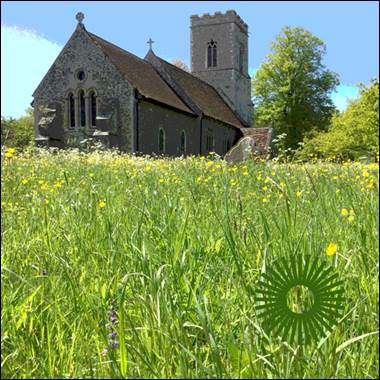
column 114, row 266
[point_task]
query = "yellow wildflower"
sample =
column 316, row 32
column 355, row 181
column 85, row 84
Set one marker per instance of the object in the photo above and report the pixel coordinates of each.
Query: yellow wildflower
column 344, row 212
column 351, row 218
column 102, row 204
column 331, row 249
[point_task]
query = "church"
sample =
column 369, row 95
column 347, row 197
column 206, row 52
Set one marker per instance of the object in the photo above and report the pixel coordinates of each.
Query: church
column 96, row 90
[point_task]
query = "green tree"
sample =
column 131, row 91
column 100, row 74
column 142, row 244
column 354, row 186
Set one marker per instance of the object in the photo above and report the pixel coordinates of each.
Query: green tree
column 354, row 132
column 292, row 87
column 17, row 132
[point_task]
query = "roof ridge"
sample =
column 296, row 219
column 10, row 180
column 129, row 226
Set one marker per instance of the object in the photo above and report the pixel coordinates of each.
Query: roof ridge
column 187, row 73
column 118, row 47
column 209, row 85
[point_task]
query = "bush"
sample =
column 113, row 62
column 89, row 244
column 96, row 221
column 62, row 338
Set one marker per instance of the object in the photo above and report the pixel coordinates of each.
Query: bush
column 353, row 133
column 17, row 132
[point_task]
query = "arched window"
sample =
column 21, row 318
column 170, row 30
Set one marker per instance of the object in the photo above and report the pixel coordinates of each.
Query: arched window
column 93, row 109
column 212, row 54
column 183, row 142
column 71, row 105
column 82, row 109
column 161, row 141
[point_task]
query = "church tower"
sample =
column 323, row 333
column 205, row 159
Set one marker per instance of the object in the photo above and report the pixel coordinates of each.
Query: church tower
column 219, row 56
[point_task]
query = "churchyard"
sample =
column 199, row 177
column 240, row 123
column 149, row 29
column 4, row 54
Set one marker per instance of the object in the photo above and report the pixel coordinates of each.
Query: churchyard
column 115, row 266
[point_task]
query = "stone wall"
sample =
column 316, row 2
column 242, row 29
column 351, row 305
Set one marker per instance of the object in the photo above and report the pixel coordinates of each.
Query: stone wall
column 231, row 33
column 152, row 117
column 224, row 136
column 114, row 93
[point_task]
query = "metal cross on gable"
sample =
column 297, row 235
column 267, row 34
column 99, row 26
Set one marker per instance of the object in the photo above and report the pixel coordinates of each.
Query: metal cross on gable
column 79, row 16
column 150, row 42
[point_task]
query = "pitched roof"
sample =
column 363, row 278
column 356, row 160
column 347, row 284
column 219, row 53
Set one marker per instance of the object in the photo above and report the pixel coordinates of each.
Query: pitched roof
column 140, row 74
column 262, row 136
column 203, row 95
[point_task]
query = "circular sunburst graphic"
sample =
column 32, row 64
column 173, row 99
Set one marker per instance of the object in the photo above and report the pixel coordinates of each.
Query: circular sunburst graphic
column 299, row 298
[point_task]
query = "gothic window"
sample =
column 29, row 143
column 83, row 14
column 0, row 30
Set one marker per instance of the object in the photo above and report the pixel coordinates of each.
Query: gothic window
column 209, row 143
column 71, row 105
column 226, row 145
column 161, row 141
column 183, row 142
column 212, row 58
column 82, row 109
column 93, row 109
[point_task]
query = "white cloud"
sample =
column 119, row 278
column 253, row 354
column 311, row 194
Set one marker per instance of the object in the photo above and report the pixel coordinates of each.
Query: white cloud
column 26, row 56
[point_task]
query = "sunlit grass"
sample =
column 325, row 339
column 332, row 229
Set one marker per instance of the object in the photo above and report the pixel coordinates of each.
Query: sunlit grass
column 177, row 246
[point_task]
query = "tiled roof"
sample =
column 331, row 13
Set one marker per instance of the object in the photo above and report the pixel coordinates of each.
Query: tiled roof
column 143, row 76
column 140, row 74
column 203, row 95
column 262, row 136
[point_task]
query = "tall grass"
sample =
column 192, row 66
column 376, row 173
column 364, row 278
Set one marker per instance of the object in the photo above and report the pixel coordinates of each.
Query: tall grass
column 164, row 255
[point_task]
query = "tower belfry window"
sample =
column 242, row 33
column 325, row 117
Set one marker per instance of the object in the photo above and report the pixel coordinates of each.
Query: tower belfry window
column 212, row 54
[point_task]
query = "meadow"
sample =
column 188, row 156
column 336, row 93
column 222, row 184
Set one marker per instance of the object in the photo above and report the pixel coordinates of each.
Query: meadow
column 116, row 266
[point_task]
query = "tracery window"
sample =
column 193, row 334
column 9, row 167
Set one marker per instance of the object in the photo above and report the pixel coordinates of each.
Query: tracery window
column 212, row 58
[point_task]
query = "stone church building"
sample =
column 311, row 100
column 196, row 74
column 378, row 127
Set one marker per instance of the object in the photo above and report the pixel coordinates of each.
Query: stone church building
column 96, row 90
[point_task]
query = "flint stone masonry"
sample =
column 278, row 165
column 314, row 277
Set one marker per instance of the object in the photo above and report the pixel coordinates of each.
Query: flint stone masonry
column 81, row 53
column 231, row 35
column 135, row 97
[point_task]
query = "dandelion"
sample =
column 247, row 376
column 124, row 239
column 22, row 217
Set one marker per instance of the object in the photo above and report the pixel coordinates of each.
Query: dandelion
column 331, row 249
column 344, row 212
column 102, row 204
column 10, row 152
column 351, row 218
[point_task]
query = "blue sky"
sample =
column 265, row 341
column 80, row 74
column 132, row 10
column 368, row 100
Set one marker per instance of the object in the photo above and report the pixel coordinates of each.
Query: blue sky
column 34, row 32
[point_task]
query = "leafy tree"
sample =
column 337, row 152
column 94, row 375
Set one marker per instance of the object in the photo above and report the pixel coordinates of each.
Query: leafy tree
column 354, row 132
column 292, row 87
column 182, row 65
column 17, row 132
